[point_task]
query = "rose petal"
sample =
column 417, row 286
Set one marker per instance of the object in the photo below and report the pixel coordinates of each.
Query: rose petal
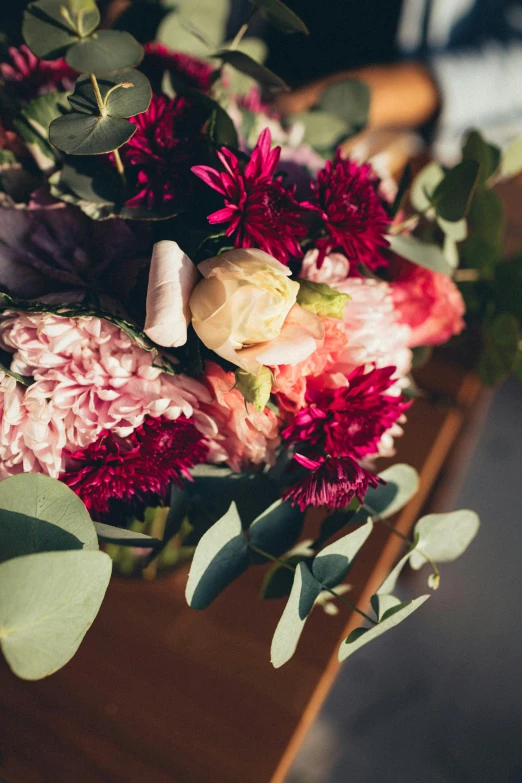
column 298, row 316
column 293, row 345
column 171, row 280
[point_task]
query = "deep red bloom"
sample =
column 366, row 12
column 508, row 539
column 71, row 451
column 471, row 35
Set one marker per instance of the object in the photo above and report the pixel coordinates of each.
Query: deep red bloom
column 31, row 77
column 332, row 483
column 193, row 72
column 157, row 159
column 260, row 211
column 130, row 473
column 354, row 221
column 349, row 420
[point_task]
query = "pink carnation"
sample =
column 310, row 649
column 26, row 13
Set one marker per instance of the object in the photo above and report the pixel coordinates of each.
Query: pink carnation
column 245, row 437
column 89, row 376
column 428, row 302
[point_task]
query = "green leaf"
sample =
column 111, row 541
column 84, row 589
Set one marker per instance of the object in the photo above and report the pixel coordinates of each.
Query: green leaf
column 121, row 102
column 35, row 498
column 452, row 197
column 279, row 579
column 124, row 537
column 48, row 601
column 424, row 185
column 350, row 101
column 457, row 231
column 488, row 155
column 508, row 285
column 418, row 252
column 220, row 128
column 220, row 557
column 51, row 26
column 389, row 584
column 107, row 50
column 402, row 190
column 392, row 617
column 381, row 604
column 444, row 537
column 92, row 181
column 33, row 126
column 282, row 17
column 483, row 247
column 305, row 591
column 333, row 563
column 247, row 65
column 276, row 529
column 322, row 130
column 336, row 521
column 401, row 484
column 80, row 134
column 255, row 389
column 511, row 163
column 322, row 300
column 500, row 356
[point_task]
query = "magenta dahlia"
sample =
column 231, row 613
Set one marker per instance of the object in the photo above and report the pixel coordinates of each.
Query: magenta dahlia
column 332, row 482
column 346, row 199
column 31, row 77
column 349, row 420
column 127, row 474
column 259, row 210
column 157, row 159
column 193, row 72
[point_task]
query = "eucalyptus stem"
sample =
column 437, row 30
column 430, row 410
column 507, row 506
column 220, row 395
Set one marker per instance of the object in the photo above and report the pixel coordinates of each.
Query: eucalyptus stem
column 103, row 112
column 242, row 30
column 328, row 590
column 407, row 541
column 119, row 164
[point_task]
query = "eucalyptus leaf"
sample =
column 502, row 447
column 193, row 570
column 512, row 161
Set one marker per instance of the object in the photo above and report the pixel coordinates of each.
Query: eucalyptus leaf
column 279, row 579
column 444, row 537
column 511, row 163
column 500, row 356
column 382, row 602
column 91, row 179
column 33, row 126
column 305, row 590
column 51, row 26
column 350, row 101
column 457, row 231
column 220, row 129
column 389, row 584
column 48, row 601
column 277, row 529
column 106, row 50
column 322, row 130
column 488, row 155
column 401, row 483
column 220, row 557
column 392, row 617
column 483, row 248
column 121, row 101
column 40, row 497
column 281, row 16
column 124, row 537
column 452, row 197
column 424, row 185
column 247, row 65
column 333, row 563
column 418, row 252
column 82, row 134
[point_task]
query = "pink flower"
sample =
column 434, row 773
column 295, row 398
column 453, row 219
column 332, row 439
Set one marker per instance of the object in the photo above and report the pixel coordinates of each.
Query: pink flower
column 244, row 438
column 117, row 475
column 260, row 211
column 157, row 159
column 30, row 77
column 89, row 376
column 352, row 216
column 183, row 67
column 333, row 482
column 428, row 302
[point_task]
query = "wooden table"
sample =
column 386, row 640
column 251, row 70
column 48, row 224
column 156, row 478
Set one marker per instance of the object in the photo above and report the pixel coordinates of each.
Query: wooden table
column 159, row 692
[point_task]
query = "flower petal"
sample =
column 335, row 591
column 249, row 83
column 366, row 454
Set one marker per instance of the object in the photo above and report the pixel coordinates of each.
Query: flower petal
column 293, row 345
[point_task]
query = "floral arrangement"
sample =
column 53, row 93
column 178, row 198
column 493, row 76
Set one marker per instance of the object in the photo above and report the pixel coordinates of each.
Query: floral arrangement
column 208, row 321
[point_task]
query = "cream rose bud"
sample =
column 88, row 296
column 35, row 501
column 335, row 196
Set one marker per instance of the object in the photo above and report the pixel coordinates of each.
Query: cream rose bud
column 245, row 310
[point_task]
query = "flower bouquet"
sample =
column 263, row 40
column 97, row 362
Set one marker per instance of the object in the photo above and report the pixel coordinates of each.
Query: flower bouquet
column 208, row 321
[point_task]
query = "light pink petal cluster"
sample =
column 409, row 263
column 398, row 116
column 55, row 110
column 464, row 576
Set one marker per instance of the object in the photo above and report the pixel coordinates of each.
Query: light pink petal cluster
column 244, row 437
column 89, row 376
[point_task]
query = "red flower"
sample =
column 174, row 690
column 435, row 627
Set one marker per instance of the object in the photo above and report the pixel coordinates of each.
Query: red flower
column 349, row 420
column 31, row 77
column 354, row 220
column 193, row 72
column 129, row 473
column 333, row 482
column 259, row 210
column 158, row 157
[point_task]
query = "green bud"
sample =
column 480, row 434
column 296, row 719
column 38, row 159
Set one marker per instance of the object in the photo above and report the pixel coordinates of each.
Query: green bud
column 320, row 299
column 255, row 388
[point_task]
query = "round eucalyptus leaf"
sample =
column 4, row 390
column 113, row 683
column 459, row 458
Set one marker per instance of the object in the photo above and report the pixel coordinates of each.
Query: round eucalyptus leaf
column 51, row 26
column 424, row 185
column 424, row 254
column 444, row 537
column 333, row 562
column 107, row 50
column 82, row 134
column 48, row 601
column 37, row 498
column 90, row 179
column 121, row 101
column 303, row 595
column 277, row 528
column 349, row 100
column 452, row 196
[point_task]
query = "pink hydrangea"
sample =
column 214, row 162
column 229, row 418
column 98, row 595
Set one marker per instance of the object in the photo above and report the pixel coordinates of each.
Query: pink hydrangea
column 245, row 437
column 89, row 376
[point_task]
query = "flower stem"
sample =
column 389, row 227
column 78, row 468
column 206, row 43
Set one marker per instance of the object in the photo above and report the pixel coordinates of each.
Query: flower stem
column 332, row 592
column 119, row 164
column 242, row 30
